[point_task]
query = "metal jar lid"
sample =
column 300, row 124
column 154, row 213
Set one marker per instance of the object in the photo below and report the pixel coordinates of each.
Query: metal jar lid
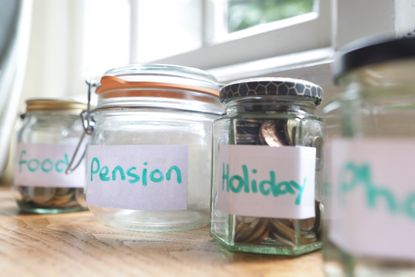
column 371, row 51
column 49, row 104
column 280, row 87
column 156, row 80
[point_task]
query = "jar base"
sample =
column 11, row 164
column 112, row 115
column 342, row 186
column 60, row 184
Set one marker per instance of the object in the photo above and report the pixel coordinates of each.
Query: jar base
column 31, row 208
column 338, row 264
column 268, row 250
column 145, row 221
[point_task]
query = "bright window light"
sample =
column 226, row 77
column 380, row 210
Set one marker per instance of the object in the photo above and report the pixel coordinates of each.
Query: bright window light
column 107, row 36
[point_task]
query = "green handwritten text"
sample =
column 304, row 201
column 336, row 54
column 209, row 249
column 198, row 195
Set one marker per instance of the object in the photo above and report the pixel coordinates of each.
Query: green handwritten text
column 353, row 176
column 42, row 165
column 133, row 174
column 246, row 183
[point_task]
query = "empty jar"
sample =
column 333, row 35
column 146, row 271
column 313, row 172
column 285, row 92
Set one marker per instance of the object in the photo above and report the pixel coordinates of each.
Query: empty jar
column 265, row 191
column 149, row 159
column 371, row 193
column 45, row 143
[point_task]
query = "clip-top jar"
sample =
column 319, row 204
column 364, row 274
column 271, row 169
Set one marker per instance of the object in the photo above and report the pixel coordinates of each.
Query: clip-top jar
column 149, row 160
column 265, row 191
column 371, row 207
column 45, row 143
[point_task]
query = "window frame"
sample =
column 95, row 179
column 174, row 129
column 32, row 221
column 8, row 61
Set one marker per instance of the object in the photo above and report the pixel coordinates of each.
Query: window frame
column 313, row 31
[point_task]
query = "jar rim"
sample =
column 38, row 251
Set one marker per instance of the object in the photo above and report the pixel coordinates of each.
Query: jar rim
column 134, row 78
column 54, row 104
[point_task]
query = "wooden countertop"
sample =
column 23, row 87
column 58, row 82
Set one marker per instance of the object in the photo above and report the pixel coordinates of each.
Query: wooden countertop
column 75, row 245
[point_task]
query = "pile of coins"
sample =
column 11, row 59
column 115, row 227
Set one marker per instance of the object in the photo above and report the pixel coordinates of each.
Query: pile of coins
column 51, row 198
column 288, row 232
column 274, row 133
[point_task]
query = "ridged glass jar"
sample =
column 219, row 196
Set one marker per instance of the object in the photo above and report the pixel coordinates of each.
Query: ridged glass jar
column 149, row 159
column 371, row 147
column 45, row 143
column 265, row 191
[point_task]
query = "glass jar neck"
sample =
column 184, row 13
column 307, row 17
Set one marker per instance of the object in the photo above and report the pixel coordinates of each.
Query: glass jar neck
column 388, row 80
column 158, row 99
column 270, row 105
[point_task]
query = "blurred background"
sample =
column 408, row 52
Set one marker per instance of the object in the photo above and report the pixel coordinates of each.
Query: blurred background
column 77, row 39
column 53, row 46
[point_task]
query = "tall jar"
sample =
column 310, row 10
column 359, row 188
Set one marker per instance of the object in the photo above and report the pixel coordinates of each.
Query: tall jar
column 371, row 193
column 265, row 191
column 45, row 143
column 149, row 160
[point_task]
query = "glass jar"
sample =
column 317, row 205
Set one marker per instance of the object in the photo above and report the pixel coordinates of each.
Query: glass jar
column 149, row 160
column 45, row 143
column 371, row 196
column 265, row 191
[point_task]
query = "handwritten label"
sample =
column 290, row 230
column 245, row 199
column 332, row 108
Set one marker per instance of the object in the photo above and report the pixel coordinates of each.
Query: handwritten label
column 276, row 182
column 44, row 165
column 372, row 203
column 138, row 177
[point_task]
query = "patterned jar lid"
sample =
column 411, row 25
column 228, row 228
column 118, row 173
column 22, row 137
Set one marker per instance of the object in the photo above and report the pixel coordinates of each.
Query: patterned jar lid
column 261, row 87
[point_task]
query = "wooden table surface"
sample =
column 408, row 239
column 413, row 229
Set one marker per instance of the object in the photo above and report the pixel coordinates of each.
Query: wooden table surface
column 75, row 245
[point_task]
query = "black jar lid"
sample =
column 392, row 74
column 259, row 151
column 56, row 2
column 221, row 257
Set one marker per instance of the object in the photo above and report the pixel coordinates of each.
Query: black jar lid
column 261, row 87
column 371, row 51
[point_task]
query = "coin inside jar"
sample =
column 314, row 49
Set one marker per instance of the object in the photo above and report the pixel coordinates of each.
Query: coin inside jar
column 51, row 197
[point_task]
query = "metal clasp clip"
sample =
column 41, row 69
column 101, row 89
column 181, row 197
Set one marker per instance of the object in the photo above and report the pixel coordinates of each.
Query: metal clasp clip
column 88, row 124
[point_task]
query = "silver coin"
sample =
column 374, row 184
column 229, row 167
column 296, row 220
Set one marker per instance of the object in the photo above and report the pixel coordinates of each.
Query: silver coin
column 41, row 195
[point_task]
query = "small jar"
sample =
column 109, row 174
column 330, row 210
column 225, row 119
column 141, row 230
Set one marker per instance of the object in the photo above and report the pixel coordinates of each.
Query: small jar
column 265, row 191
column 371, row 193
column 45, row 143
column 149, row 160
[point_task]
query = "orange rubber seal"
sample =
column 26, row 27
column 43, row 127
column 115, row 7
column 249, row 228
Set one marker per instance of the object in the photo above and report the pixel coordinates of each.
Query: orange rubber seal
column 116, row 87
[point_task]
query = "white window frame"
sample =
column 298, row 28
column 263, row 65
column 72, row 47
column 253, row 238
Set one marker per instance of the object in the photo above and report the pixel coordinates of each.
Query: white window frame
column 312, row 31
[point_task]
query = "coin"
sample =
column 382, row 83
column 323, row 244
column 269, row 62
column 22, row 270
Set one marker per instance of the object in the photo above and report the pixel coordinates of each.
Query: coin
column 269, row 135
column 41, row 195
column 51, row 197
column 251, row 229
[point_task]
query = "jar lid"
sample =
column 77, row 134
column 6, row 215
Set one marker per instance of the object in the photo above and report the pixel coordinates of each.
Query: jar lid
column 370, row 51
column 49, row 104
column 155, row 80
column 260, row 87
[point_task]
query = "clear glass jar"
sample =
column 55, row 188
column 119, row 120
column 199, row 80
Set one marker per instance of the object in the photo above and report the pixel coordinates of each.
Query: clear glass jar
column 370, row 221
column 265, row 191
column 155, row 123
column 45, row 143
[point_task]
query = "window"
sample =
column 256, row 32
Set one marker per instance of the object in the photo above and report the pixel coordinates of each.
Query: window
column 238, row 15
column 243, row 14
column 236, row 31
column 164, row 28
column 201, row 33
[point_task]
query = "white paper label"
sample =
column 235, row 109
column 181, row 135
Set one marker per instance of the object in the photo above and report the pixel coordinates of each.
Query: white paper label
column 138, row 177
column 372, row 203
column 263, row 181
column 44, row 165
